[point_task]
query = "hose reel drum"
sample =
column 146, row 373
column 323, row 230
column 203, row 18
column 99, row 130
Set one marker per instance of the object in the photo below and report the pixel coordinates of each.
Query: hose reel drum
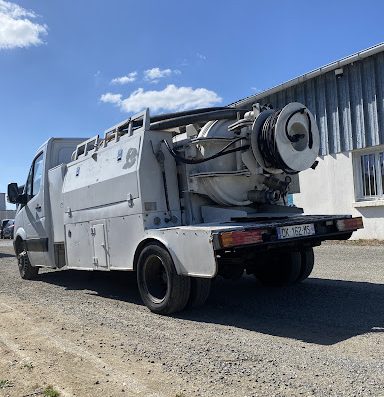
column 279, row 142
column 285, row 140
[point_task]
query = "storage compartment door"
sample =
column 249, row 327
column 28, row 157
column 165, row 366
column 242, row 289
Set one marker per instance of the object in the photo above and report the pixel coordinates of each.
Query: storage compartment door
column 100, row 248
column 79, row 246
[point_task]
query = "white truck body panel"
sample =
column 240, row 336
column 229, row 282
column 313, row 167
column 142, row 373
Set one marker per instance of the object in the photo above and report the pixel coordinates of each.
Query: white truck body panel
column 191, row 247
column 55, row 181
column 110, row 205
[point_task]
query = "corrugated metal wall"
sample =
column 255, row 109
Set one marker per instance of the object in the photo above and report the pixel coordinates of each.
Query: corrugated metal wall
column 349, row 109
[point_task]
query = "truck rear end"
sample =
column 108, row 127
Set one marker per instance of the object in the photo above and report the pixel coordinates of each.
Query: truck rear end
column 279, row 252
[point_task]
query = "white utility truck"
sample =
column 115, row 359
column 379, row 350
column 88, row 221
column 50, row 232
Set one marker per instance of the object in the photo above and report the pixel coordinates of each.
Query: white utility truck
column 179, row 198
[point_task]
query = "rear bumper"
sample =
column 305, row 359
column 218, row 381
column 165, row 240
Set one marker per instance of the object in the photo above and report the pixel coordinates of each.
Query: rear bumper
column 264, row 236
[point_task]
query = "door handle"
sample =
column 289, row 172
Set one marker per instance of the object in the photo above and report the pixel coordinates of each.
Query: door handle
column 38, row 207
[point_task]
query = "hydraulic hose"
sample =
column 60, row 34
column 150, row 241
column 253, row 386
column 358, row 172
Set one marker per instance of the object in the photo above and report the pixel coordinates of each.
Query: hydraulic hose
column 168, row 116
column 226, row 113
column 177, row 119
column 220, row 153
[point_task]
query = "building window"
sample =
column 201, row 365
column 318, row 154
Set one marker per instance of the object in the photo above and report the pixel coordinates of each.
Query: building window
column 371, row 174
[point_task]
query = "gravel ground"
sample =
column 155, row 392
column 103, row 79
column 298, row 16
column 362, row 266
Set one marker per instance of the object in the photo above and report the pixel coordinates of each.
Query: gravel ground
column 88, row 334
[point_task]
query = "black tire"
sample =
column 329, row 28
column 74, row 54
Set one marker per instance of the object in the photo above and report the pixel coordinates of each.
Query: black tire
column 162, row 290
column 307, row 263
column 281, row 269
column 27, row 271
column 200, row 289
column 231, row 272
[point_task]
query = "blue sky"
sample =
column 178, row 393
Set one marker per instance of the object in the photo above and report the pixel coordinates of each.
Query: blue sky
column 74, row 68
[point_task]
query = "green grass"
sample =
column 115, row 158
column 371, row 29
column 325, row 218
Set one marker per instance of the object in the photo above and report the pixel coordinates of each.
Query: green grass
column 5, row 383
column 50, row 392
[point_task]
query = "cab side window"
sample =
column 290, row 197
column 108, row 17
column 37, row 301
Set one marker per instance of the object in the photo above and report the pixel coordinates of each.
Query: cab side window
column 28, row 185
column 37, row 174
column 32, row 187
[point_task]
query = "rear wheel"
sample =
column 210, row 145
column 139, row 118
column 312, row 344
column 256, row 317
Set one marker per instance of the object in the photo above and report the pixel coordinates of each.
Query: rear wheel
column 307, row 263
column 231, row 271
column 280, row 269
column 27, row 271
column 200, row 289
column 162, row 290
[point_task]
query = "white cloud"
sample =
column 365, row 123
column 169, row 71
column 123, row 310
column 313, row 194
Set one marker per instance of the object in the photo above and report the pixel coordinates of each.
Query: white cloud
column 153, row 75
column 129, row 78
column 156, row 73
column 16, row 27
column 111, row 98
column 14, row 10
column 201, row 56
column 170, row 98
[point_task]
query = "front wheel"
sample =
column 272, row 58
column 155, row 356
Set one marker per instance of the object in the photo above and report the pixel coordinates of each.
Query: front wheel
column 162, row 290
column 27, row 271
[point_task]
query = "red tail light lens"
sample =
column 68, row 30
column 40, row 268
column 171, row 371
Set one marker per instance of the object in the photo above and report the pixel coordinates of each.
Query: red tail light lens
column 241, row 237
column 349, row 224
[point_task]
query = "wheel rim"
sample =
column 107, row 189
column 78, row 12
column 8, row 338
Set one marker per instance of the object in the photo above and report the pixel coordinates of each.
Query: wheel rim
column 156, row 279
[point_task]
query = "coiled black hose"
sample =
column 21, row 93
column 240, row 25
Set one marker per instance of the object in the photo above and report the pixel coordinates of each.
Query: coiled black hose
column 266, row 141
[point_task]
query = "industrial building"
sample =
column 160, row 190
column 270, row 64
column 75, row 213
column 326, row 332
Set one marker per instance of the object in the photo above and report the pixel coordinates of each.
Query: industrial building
column 4, row 213
column 347, row 99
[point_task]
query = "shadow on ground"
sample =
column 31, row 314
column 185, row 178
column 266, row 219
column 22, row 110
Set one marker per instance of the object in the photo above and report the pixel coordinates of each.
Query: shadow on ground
column 319, row 311
column 6, row 255
column 113, row 285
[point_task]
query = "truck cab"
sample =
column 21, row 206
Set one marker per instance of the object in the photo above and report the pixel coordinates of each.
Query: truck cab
column 33, row 221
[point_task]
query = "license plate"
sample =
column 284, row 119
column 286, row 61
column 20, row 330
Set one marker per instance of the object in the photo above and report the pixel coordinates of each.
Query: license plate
column 295, row 231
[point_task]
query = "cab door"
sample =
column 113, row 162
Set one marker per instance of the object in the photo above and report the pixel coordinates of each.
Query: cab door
column 34, row 213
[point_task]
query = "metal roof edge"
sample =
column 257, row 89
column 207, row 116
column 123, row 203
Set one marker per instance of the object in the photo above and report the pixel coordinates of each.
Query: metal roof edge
column 314, row 73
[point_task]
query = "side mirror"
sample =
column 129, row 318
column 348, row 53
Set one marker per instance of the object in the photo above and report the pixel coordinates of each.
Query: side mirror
column 13, row 192
column 14, row 195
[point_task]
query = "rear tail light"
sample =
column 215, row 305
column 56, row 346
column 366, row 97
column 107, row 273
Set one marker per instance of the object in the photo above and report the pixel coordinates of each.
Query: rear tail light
column 349, row 224
column 241, row 237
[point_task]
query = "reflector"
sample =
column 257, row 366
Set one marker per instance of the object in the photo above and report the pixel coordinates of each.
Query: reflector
column 241, row 237
column 350, row 224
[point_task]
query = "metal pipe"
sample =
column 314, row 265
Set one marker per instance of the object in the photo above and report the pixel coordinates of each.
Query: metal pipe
column 177, row 119
column 263, row 196
column 227, row 113
column 166, row 116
